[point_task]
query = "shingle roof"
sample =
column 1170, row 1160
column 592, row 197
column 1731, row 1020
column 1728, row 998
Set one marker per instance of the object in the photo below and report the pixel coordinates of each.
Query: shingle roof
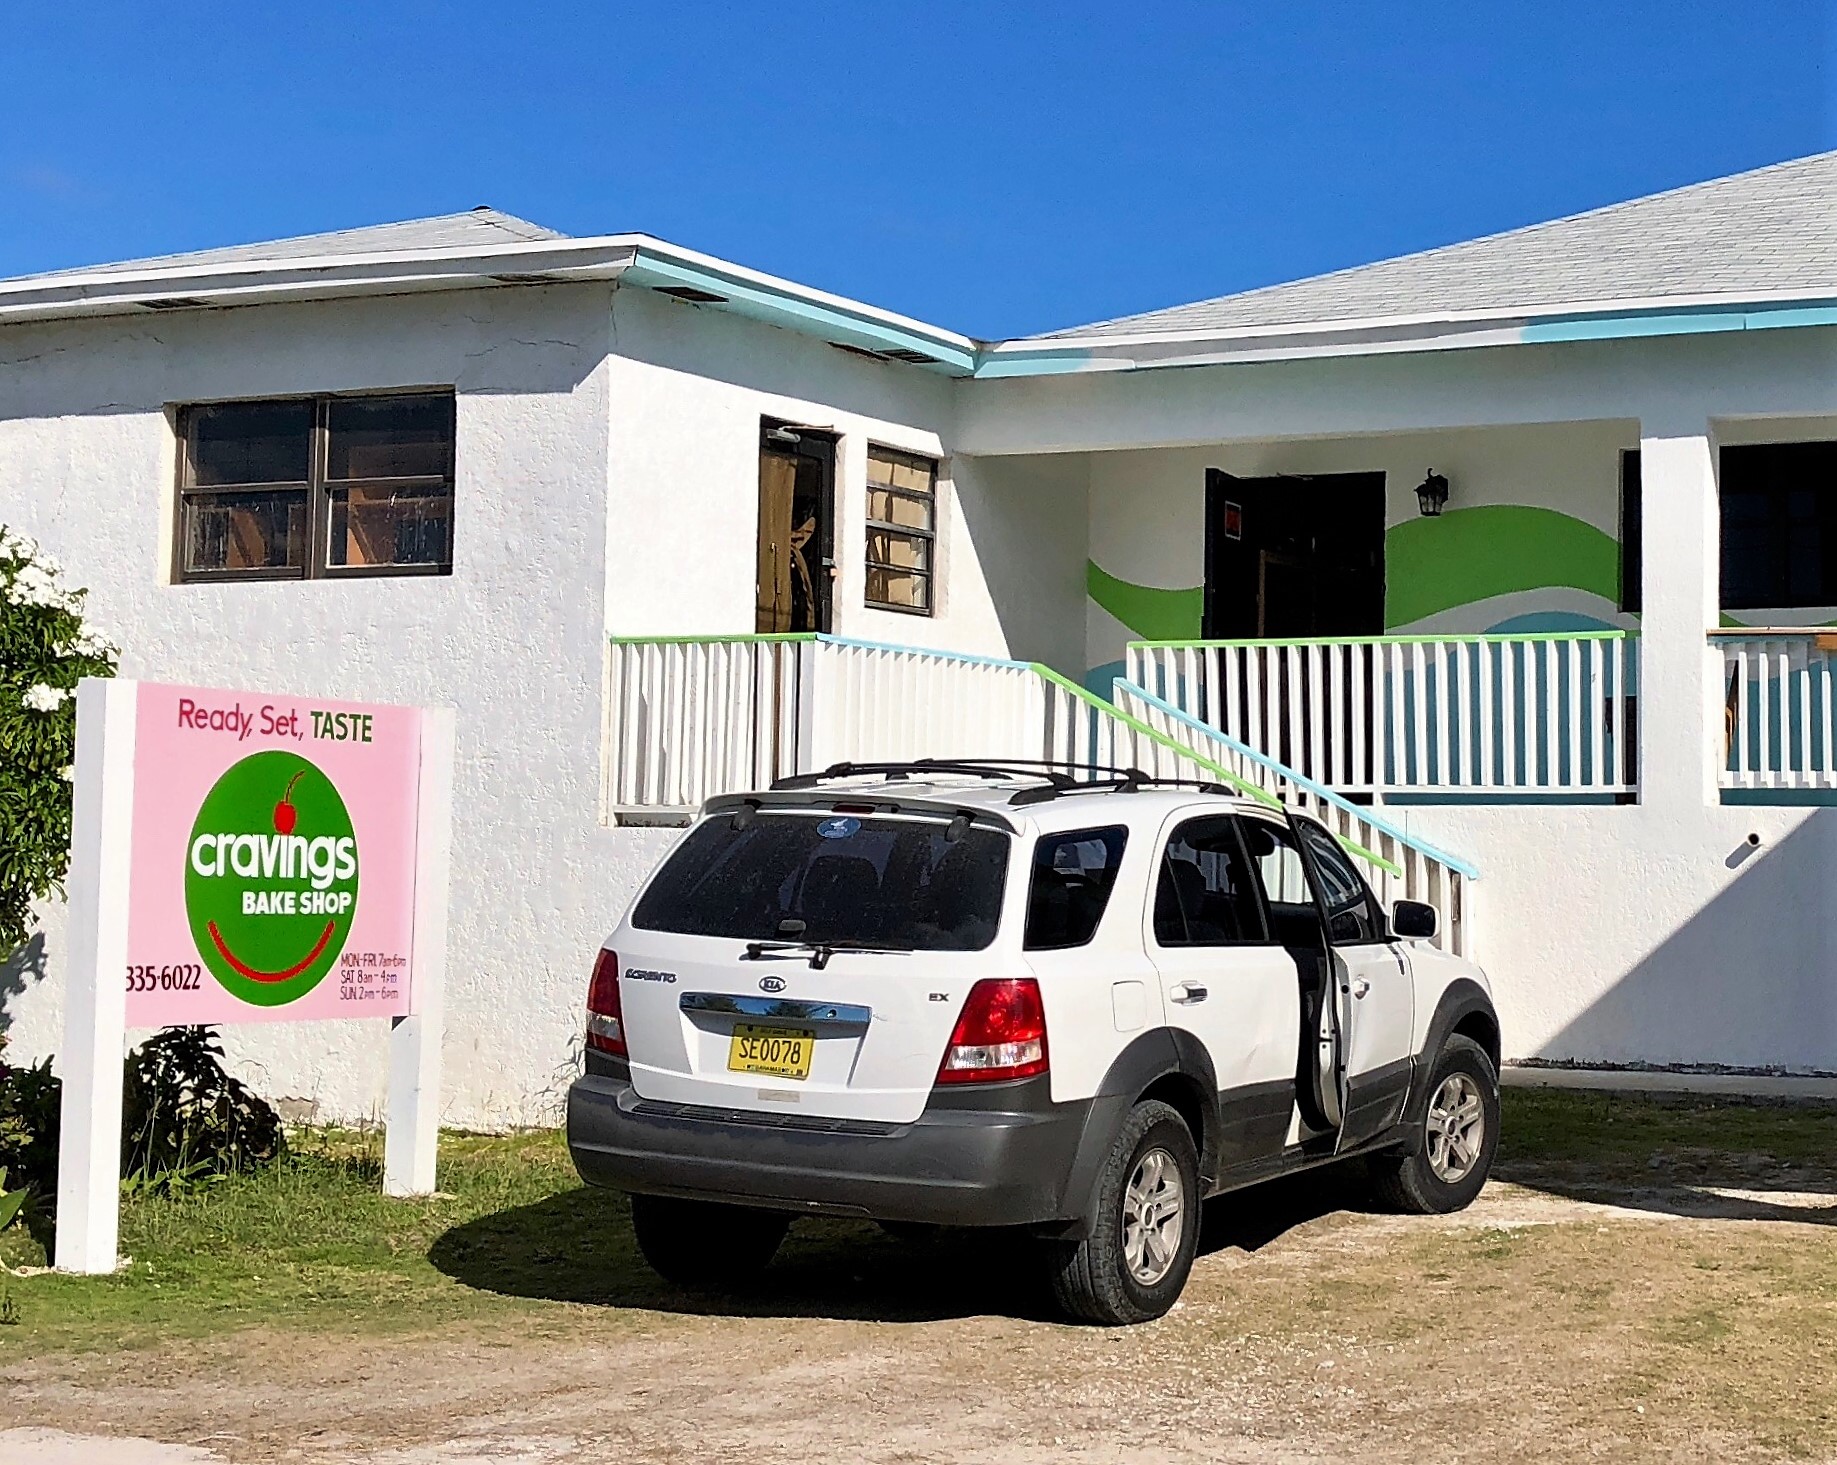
column 1766, row 232
column 480, row 226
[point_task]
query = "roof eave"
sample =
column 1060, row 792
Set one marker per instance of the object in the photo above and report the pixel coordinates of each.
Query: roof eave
column 1586, row 320
column 632, row 258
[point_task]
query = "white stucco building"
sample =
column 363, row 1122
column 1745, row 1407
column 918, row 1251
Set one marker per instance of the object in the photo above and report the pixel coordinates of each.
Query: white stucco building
column 653, row 522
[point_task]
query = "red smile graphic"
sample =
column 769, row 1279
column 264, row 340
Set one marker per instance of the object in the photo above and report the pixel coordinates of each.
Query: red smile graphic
column 325, row 938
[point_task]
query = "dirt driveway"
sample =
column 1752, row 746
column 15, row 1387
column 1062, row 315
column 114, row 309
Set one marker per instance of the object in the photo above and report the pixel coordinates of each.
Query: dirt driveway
column 1694, row 1319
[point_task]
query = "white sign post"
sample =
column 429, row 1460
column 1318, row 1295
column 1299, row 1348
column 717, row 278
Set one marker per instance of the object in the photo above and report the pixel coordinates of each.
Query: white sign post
column 244, row 857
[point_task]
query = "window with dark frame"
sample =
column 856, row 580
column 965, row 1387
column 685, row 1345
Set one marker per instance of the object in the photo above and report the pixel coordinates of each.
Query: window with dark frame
column 1779, row 526
column 902, row 510
column 305, row 487
column 1632, row 530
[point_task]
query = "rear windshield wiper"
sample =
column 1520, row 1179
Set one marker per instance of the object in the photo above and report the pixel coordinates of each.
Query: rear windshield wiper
column 820, row 951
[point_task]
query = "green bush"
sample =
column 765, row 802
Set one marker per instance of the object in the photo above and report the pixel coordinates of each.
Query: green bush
column 185, row 1120
column 44, row 650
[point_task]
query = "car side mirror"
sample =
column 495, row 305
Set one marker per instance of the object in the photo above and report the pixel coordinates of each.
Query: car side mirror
column 1415, row 921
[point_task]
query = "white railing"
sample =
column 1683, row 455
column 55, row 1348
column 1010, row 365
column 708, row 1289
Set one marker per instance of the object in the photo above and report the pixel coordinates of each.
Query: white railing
column 1489, row 716
column 1397, row 863
column 1779, row 715
column 689, row 719
column 871, row 703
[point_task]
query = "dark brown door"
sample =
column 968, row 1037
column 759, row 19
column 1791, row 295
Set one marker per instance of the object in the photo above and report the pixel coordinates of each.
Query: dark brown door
column 794, row 584
column 1292, row 557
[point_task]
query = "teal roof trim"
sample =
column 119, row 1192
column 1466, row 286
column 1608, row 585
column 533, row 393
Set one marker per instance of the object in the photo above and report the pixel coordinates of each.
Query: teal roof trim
column 1679, row 323
column 783, row 308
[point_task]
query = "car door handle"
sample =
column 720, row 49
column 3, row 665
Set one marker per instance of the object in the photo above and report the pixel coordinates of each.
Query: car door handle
column 1188, row 992
column 1360, row 987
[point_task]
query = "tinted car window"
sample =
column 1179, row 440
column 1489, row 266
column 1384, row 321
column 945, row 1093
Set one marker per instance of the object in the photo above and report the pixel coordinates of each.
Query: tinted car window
column 876, row 882
column 1073, row 875
column 1205, row 894
column 1352, row 915
column 1289, row 898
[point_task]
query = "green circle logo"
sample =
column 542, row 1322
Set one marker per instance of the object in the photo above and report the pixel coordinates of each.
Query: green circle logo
column 271, row 878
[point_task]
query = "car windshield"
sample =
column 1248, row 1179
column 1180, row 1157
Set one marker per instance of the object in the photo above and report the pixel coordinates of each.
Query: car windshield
column 900, row 883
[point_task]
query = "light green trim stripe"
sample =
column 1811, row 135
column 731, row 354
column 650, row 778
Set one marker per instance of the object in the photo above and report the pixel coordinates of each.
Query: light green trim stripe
column 1467, row 555
column 1445, row 640
column 1320, row 791
column 737, row 640
column 1142, row 608
column 1134, row 724
column 1193, row 755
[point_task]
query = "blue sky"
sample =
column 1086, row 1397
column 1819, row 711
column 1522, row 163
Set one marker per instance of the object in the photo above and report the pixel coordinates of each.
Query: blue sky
column 994, row 167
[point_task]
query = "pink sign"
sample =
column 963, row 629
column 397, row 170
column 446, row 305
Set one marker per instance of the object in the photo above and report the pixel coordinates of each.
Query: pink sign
column 273, row 858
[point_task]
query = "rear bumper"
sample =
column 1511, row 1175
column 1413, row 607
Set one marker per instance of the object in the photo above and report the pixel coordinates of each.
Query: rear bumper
column 994, row 1155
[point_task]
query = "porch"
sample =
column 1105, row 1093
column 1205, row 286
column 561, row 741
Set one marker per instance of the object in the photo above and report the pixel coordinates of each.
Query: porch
column 690, row 718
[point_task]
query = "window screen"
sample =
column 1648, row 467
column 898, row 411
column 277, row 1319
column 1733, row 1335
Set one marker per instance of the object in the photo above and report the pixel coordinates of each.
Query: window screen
column 1072, row 878
column 902, row 509
column 1205, row 894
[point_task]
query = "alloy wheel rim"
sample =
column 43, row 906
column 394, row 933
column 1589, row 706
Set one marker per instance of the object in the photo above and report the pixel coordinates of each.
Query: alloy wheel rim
column 1456, row 1129
column 1154, row 1217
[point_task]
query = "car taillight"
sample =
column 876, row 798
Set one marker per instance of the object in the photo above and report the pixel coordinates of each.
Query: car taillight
column 605, row 1022
column 1001, row 1033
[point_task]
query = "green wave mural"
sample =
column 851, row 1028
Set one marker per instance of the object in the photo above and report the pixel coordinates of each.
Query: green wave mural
column 1466, row 555
column 1154, row 615
column 1430, row 565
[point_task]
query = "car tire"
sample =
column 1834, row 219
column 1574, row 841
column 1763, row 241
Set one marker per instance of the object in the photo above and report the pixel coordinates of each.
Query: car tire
column 702, row 1245
column 1451, row 1166
column 1128, row 1270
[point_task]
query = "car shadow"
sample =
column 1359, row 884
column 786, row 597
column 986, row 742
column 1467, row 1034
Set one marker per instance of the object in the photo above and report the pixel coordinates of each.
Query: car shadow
column 577, row 1246
column 1700, row 1186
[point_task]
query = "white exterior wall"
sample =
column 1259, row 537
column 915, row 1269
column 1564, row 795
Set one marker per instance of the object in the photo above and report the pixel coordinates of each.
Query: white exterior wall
column 1651, row 933
column 1148, row 505
column 689, row 386
column 511, row 638
column 606, row 482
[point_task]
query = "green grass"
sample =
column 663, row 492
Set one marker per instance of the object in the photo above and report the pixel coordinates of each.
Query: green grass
column 313, row 1242
column 313, row 1245
column 1622, row 1134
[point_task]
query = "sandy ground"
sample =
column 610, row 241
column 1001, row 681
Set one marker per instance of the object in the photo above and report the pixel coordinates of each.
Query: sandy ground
column 1307, row 1334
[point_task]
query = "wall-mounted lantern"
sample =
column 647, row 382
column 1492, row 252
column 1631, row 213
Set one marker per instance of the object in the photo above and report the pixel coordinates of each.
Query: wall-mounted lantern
column 1431, row 494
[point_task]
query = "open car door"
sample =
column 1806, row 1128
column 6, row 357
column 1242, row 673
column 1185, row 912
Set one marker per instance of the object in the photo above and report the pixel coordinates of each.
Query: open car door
column 1326, row 1005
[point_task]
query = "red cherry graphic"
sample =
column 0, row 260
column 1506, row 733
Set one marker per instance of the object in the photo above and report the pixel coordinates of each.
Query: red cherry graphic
column 285, row 815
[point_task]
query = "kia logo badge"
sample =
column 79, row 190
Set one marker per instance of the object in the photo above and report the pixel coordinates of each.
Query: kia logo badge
column 771, row 984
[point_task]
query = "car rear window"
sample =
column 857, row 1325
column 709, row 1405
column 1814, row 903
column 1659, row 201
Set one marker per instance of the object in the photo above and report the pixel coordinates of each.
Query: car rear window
column 875, row 882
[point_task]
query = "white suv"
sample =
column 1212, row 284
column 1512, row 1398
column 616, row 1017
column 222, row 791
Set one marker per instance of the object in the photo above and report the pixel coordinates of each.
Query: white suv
column 978, row 995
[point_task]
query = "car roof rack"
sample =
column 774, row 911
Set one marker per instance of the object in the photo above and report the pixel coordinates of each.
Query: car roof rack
column 1053, row 778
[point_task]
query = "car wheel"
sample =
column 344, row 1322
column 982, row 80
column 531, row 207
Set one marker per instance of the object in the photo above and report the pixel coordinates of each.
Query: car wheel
column 702, row 1244
column 1145, row 1230
column 1460, row 1136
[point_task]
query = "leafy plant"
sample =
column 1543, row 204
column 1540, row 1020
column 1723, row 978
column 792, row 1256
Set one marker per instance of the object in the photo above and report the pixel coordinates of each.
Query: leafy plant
column 187, row 1120
column 10, row 1201
column 44, row 650
column 29, row 1113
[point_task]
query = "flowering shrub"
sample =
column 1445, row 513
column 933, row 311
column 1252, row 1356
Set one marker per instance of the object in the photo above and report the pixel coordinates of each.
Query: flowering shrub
column 44, row 649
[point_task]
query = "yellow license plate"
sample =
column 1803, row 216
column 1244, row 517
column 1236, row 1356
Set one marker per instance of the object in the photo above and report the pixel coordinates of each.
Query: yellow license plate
column 780, row 1052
